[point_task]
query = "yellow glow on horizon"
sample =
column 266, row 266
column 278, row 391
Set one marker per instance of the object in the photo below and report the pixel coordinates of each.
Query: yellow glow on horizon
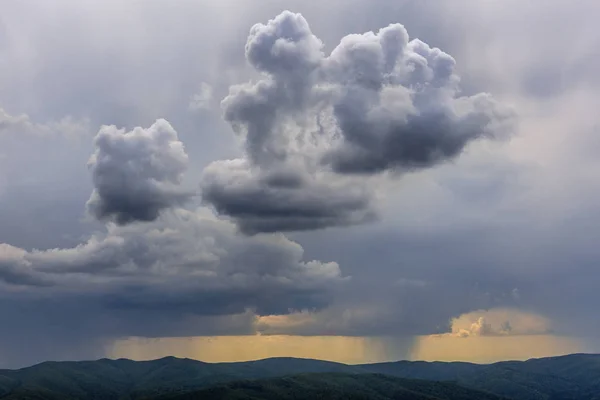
column 349, row 350
column 487, row 349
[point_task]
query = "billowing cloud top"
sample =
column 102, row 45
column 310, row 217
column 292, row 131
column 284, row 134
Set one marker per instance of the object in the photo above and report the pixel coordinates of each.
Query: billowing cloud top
column 379, row 102
column 136, row 174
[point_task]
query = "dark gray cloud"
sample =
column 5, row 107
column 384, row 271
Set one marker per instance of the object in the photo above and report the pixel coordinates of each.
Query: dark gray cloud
column 185, row 266
column 182, row 273
column 136, row 174
column 378, row 102
column 187, row 261
column 399, row 105
column 76, row 328
column 283, row 200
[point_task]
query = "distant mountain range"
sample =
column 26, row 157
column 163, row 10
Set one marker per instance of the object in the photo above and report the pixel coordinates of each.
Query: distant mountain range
column 572, row 377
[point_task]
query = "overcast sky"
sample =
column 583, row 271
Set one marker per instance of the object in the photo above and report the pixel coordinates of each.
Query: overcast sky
column 409, row 173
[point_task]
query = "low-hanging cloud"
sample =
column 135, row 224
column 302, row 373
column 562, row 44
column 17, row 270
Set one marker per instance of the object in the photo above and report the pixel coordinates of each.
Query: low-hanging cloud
column 378, row 102
column 136, row 174
column 282, row 200
column 214, row 270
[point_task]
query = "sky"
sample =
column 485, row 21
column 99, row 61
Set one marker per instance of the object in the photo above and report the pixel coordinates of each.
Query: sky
column 357, row 180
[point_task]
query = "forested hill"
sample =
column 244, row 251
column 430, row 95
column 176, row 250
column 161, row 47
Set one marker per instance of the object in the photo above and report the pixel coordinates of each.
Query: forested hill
column 333, row 386
column 572, row 377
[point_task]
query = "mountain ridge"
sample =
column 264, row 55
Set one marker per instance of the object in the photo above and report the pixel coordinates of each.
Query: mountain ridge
column 574, row 376
column 310, row 359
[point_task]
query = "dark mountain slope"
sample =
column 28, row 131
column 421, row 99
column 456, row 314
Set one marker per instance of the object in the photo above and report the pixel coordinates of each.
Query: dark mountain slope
column 570, row 377
column 575, row 376
column 335, row 387
column 116, row 379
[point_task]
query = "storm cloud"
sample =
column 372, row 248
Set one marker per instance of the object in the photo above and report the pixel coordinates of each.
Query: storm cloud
column 191, row 251
column 187, row 266
column 283, row 200
column 184, row 267
column 379, row 102
column 136, row 174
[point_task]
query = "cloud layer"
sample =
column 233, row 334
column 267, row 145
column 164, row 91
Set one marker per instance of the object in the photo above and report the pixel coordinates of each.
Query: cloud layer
column 193, row 260
column 187, row 273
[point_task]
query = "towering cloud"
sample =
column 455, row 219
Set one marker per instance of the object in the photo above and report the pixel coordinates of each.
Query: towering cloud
column 136, row 174
column 379, row 102
column 398, row 105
